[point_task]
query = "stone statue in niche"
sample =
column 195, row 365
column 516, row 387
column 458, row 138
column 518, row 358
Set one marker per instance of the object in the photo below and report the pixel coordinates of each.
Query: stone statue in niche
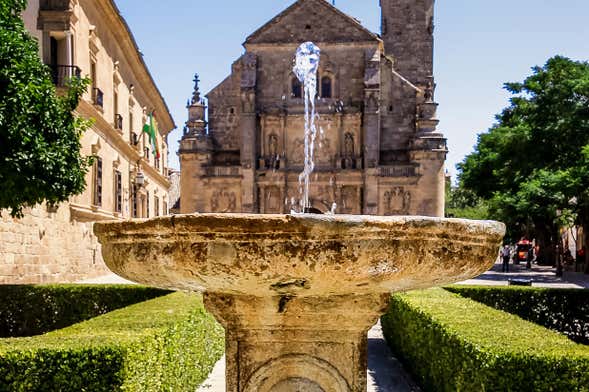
column 348, row 161
column 273, row 145
column 323, row 152
column 273, row 156
column 397, row 201
column 223, row 200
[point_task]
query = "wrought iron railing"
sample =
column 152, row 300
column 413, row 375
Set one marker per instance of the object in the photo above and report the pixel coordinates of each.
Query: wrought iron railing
column 397, row 171
column 118, row 122
column 222, row 171
column 61, row 74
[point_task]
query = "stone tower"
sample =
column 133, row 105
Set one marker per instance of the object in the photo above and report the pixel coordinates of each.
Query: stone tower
column 196, row 148
column 408, row 34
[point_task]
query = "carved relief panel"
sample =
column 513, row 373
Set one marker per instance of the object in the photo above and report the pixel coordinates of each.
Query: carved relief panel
column 272, row 200
column 350, row 200
column 224, row 200
column 397, row 201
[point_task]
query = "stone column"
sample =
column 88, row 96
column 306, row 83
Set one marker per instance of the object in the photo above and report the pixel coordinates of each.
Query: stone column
column 303, row 344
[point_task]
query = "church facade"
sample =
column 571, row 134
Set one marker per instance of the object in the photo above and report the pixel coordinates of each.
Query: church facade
column 378, row 151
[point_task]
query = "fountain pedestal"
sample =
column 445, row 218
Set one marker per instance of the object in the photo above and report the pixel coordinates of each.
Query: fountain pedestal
column 297, row 293
column 302, row 344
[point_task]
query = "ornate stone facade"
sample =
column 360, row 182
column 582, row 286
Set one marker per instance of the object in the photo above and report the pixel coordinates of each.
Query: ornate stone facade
column 90, row 38
column 378, row 151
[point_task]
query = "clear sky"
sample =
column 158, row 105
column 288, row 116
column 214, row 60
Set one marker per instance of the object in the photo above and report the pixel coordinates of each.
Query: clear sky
column 479, row 46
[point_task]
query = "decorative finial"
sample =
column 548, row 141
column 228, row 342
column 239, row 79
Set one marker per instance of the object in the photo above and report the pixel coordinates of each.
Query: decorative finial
column 196, row 93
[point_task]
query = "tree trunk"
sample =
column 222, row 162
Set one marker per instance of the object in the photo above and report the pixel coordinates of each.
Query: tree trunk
column 546, row 241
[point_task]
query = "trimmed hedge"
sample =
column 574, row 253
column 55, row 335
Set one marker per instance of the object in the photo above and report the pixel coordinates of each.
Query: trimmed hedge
column 564, row 310
column 452, row 343
column 165, row 344
column 33, row 310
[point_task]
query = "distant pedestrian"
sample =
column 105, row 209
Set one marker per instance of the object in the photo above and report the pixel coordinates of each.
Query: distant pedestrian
column 506, row 255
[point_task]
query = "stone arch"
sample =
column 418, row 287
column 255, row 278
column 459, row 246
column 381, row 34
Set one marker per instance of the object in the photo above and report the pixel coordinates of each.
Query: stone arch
column 297, row 369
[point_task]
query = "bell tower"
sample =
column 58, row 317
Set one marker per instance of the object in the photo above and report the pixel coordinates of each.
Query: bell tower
column 407, row 29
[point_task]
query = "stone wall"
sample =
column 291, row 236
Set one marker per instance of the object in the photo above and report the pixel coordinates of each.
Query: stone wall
column 47, row 247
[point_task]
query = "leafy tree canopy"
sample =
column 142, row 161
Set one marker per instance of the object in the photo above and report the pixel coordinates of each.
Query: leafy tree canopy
column 532, row 166
column 40, row 156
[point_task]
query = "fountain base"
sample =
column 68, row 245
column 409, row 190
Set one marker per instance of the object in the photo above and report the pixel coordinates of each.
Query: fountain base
column 304, row 344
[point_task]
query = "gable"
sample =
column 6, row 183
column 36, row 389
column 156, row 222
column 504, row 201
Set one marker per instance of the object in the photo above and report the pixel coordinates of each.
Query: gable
column 311, row 20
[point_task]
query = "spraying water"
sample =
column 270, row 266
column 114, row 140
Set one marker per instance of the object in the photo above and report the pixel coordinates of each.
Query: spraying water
column 305, row 69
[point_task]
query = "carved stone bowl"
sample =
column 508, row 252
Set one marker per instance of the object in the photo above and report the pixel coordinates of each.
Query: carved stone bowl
column 301, row 255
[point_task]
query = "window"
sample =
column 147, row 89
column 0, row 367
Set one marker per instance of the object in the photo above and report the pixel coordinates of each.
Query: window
column 93, row 74
column 156, row 203
column 165, row 209
column 296, row 88
column 131, row 133
column 98, row 182
column 147, row 205
column 326, row 87
column 118, row 191
column 116, row 107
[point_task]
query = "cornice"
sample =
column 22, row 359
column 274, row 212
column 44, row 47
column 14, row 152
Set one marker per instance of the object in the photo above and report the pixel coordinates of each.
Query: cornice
column 128, row 44
column 101, row 126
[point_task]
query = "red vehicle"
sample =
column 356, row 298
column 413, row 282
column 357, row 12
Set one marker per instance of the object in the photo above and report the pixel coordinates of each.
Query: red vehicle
column 522, row 250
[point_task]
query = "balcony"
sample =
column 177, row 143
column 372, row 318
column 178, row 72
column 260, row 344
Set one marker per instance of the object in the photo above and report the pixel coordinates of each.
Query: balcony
column 134, row 139
column 222, row 171
column 61, row 74
column 98, row 97
column 398, row 171
column 118, row 122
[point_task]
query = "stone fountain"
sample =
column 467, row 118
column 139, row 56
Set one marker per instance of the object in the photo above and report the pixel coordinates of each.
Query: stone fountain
column 297, row 293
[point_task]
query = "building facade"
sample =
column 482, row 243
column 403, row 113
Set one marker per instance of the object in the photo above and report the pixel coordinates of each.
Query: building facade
column 378, row 151
column 128, row 180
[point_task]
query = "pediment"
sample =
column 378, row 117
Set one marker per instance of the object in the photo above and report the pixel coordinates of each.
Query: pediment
column 311, row 20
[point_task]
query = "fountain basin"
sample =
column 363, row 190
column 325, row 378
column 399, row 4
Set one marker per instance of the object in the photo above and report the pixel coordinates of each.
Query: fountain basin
column 297, row 293
column 304, row 255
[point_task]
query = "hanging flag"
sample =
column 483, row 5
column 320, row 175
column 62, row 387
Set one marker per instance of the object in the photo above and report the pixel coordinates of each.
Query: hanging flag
column 151, row 129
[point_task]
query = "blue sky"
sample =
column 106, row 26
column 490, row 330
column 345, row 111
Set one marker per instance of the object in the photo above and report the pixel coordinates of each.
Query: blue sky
column 479, row 46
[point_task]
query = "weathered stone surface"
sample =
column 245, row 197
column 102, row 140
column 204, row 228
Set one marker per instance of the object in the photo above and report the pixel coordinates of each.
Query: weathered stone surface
column 378, row 152
column 305, row 255
column 297, row 293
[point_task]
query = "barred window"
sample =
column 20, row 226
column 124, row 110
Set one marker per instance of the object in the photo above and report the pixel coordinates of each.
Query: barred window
column 118, row 191
column 98, row 182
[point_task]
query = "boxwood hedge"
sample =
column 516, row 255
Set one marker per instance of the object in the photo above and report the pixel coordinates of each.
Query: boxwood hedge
column 452, row 343
column 165, row 344
column 564, row 310
column 27, row 310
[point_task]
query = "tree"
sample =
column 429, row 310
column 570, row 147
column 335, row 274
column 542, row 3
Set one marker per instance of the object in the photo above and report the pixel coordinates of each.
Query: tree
column 534, row 161
column 40, row 157
column 463, row 203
